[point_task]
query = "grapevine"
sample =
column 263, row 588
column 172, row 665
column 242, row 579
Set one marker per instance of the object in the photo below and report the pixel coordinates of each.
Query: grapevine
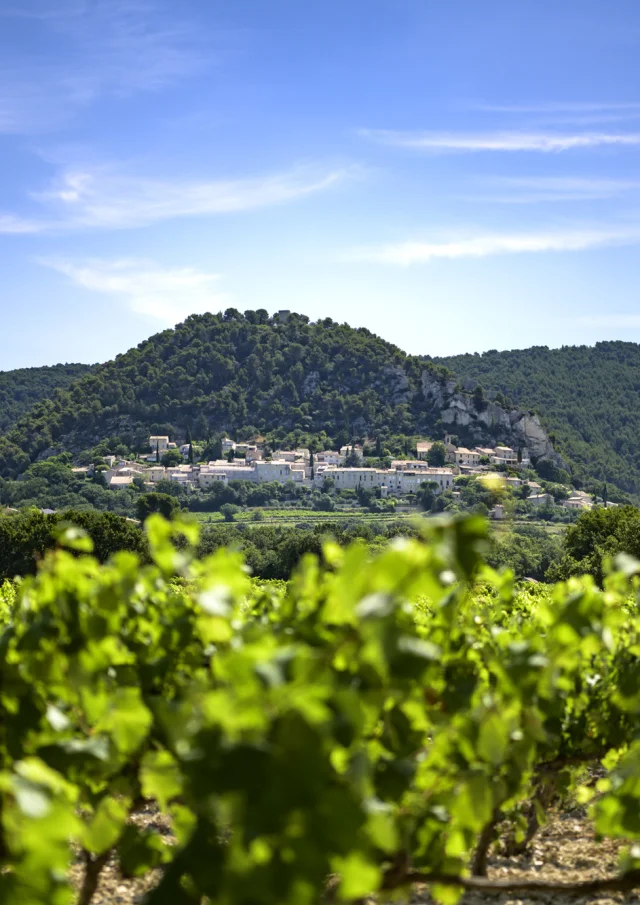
column 374, row 723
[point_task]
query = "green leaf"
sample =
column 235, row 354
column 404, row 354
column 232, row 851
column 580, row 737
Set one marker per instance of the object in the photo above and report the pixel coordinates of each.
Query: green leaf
column 126, row 719
column 160, row 777
column 493, row 739
column 107, row 824
column 359, row 876
column 141, row 850
column 73, row 538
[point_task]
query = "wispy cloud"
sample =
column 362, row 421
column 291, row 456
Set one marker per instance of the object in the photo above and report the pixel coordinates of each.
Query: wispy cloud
column 166, row 294
column 88, row 50
column 10, row 225
column 482, row 246
column 565, row 113
column 107, row 199
column 536, row 189
column 508, row 141
column 579, row 107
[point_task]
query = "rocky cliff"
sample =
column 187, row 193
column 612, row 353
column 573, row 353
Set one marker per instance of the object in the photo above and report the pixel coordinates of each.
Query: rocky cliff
column 483, row 420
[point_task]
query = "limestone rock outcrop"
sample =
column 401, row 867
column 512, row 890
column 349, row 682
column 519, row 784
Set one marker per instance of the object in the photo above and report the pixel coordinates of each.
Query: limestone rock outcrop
column 485, row 421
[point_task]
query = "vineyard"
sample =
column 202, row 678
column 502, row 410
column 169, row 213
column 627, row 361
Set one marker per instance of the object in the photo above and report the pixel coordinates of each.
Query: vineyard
column 379, row 721
column 292, row 516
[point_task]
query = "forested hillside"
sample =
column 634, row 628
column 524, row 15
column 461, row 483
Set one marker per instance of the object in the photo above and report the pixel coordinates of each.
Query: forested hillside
column 21, row 389
column 589, row 397
column 226, row 372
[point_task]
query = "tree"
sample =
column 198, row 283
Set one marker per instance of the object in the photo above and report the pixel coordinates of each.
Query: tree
column 426, row 496
column 437, row 455
column 156, row 502
column 352, row 460
column 157, row 451
column 597, row 535
column 213, row 450
column 171, row 458
column 229, row 511
column 324, row 503
column 478, row 399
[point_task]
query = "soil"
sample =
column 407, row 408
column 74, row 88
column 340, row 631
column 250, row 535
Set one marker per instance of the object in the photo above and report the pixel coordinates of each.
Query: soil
column 565, row 850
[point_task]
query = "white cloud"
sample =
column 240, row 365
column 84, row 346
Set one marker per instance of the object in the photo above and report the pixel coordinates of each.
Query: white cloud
column 112, row 201
column 581, row 107
column 105, row 199
column 508, row 141
column 10, row 225
column 416, row 252
column 166, row 294
column 531, row 190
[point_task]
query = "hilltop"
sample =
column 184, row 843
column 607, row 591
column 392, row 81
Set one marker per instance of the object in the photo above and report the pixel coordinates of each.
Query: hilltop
column 587, row 396
column 256, row 373
column 23, row 388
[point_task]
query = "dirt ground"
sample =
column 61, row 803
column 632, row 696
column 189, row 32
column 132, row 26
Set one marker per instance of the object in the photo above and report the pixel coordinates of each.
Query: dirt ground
column 564, row 850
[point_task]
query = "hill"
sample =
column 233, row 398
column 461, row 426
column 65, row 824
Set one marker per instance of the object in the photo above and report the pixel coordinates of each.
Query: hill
column 250, row 371
column 23, row 388
column 588, row 398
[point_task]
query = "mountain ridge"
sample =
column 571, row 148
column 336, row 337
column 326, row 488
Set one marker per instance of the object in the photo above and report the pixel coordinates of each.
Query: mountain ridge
column 231, row 371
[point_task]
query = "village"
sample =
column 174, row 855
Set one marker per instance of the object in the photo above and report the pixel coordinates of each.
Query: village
column 345, row 468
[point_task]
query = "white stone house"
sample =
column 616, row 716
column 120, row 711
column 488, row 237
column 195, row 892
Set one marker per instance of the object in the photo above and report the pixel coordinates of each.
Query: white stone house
column 118, row 481
column 504, row 455
column 211, row 475
column 159, row 444
column 329, row 457
column 466, row 456
column 577, row 502
column 540, row 499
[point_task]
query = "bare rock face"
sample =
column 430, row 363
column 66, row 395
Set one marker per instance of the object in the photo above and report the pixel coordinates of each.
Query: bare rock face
column 494, row 416
column 397, row 384
column 457, row 412
column 527, row 428
column 490, row 421
column 434, row 389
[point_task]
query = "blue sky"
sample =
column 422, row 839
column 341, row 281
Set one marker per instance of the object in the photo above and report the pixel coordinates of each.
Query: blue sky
column 455, row 176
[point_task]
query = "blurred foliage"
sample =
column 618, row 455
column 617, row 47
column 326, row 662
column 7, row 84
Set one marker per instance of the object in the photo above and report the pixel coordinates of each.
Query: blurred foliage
column 371, row 718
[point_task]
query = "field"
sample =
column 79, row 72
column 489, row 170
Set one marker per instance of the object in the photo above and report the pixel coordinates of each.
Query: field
column 404, row 719
column 293, row 516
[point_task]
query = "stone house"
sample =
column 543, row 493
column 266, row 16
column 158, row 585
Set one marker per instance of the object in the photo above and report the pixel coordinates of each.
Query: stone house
column 160, row 444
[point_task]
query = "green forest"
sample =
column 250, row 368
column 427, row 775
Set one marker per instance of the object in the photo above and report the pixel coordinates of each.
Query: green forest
column 231, row 371
column 22, row 388
column 587, row 396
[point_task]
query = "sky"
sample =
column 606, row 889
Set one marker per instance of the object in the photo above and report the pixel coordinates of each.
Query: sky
column 456, row 176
